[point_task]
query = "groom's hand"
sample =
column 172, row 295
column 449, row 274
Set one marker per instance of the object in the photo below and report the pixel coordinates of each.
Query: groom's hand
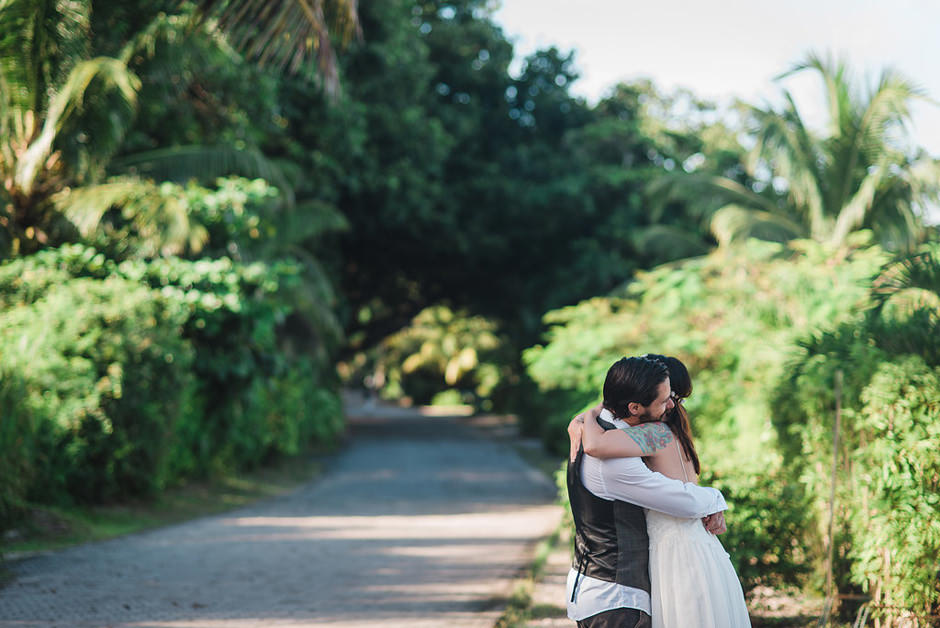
column 715, row 523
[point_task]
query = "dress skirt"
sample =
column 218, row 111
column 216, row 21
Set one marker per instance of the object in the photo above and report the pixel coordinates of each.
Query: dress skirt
column 693, row 582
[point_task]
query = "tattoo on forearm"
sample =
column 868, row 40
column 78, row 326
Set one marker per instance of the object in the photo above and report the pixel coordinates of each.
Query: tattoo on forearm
column 651, row 437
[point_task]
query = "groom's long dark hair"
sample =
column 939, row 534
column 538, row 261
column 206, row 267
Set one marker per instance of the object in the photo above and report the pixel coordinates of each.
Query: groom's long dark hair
column 632, row 380
column 678, row 419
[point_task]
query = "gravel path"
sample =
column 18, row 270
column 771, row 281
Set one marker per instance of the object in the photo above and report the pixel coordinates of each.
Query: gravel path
column 419, row 522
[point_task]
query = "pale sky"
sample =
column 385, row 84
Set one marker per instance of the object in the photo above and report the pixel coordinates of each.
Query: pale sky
column 726, row 49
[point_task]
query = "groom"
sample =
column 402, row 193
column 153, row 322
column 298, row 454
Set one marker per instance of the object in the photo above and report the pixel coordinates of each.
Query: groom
column 609, row 584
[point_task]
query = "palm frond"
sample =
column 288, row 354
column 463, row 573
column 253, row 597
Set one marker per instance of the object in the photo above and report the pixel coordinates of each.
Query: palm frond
column 912, row 278
column 158, row 213
column 284, row 33
column 696, row 183
column 170, row 29
column 887, row 109
column 853, row 213
column 111, row 72
column 836, row 82
column 204, row 163
column 734, row 223
column 659, row 244
column 311, row 219
column 314, row 299
column 791, row 152
column 887, row 113
column 922, row 175
column 901, row 203
column 86, row 206
column 40, row 43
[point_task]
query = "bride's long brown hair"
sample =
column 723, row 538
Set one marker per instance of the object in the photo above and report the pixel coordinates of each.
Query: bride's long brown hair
column 678, row 419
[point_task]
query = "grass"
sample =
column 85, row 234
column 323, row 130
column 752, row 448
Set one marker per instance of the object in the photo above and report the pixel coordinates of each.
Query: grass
column 48, row 528
column 520, row 609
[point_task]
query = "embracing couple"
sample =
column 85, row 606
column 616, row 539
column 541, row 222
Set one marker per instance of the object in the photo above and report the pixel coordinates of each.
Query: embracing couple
column 646, row 553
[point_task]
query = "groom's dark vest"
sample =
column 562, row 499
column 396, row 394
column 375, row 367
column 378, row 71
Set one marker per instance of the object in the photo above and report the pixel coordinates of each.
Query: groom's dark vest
column 610, row 540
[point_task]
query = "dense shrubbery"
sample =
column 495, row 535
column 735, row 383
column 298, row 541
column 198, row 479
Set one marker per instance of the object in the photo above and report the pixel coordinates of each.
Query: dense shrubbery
column 733, row 316
column 98, row 380
column 887, row 503
column 767, row 524
column 895, row 505
column 120, row 378
column 751, row 322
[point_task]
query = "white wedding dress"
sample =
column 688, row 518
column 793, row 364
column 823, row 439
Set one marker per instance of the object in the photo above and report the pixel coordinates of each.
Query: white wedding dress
column 693, row 582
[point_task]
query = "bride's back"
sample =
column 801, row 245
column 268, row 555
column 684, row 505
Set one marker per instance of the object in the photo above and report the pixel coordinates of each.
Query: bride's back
column 672, row 462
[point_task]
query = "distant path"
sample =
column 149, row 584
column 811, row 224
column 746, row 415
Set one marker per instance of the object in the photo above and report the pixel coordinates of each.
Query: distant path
column 419, row 522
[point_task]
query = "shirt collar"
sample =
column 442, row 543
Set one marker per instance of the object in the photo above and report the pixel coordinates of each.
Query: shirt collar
column 608, row 416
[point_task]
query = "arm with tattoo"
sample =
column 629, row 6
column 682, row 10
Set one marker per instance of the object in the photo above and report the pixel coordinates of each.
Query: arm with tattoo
column 650, row 437
column 641, row 440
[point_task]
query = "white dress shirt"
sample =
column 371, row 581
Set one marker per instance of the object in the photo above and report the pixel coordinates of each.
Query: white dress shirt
column 629, row 480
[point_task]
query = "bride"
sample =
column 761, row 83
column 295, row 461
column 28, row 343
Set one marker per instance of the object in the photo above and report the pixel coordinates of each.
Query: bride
column 693, row 582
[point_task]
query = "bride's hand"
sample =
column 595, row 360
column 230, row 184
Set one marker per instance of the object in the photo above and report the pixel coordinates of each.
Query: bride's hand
column 576, row 428
column 574, row 435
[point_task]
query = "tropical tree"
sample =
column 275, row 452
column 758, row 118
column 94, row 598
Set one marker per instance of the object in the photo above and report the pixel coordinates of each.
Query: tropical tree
column 66, row 103
column 859, row 172
column 46, row 74
column 284, row 33
column 906, row 316
column 641, row 137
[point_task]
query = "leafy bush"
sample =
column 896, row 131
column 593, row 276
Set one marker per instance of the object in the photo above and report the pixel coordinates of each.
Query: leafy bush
column 895, row 510
column 443, row 351
column 767, row 521
column 735, row 318
column 249, row 340
column 245, row 376
column 887, row 539
column 95, row 379
column 18, row 450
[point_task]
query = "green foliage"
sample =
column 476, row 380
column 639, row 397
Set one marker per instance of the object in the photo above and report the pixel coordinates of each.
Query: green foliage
column 47, row 76
column 130, row 216
column 452, row 170
column 886, row 537
column 95, row 381
column 437, row 177
column 154, row 371
column 861, row 172
column 767, row 520
column 250, row 340
column 442, row 348
column 886, row 500
column 895, row 507
column 285, row 33
column 734, row 317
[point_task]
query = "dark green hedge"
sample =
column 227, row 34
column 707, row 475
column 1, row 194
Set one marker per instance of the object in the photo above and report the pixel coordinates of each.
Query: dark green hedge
column 118, row 379
column 95, row 381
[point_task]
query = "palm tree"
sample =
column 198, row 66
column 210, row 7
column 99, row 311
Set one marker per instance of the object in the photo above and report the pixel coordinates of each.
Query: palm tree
column 911, row 282
column 48, row 78
column 906, row 316
column 45, row 76
column 283, row 33
column 856, row 174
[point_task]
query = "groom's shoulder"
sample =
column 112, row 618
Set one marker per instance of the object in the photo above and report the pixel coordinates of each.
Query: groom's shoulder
column 597, row 473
